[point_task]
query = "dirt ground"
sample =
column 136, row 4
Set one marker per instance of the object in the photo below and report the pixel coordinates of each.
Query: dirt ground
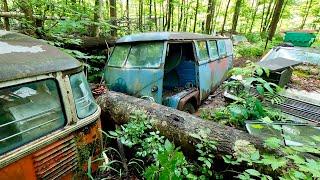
column 306, row 78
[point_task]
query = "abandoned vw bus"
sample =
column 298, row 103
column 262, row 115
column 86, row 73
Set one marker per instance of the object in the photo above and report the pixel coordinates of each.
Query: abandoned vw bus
column 49, row 120
column 178, row 70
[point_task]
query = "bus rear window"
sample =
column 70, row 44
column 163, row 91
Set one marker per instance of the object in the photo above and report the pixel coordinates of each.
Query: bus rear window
column 29, row 111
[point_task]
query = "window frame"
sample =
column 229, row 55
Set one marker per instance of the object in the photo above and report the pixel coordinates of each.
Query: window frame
column 164, row 44
column 221, row 42
column 21, row 82
column 73, row 99
column 210, row 53
column 198, row 52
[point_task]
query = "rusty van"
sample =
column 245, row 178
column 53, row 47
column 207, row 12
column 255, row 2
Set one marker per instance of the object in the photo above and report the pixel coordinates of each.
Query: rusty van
column 178, row 70
column 49, row 121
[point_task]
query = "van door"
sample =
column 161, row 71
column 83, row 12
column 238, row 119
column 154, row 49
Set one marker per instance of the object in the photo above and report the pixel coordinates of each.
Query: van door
column 222, row 60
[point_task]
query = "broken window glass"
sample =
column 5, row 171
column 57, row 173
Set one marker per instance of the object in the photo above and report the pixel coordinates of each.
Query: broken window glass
column 83, row 98
column 29, row 111
column 119, row 55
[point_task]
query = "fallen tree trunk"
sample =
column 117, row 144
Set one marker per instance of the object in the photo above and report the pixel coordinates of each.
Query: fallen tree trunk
column 176, row 125
column 22, row 15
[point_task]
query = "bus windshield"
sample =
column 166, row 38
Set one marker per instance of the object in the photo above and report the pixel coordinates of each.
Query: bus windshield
column 147, row 54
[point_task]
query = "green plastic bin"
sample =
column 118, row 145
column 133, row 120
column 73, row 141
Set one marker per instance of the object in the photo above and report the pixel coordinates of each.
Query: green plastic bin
column 302, row 39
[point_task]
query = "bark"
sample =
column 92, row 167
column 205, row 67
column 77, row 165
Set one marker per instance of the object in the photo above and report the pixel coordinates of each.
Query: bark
column 210, row 13
column 26, row 8
column 306, row 15
column 140, row 15
column 181, row 15
column 97, row 17
column 254, row 16
column 195, row 16
column 113, row 17
column 169, row 15
column 127, row 15
column 275, row 19
column 216, row 16
column 265, row 25
column 225, row 17
column 6, row 19
column 236, row 16
column 176, row 125
column 18, row 15
column 262, row 17
column 155, row 14
column 150, row 15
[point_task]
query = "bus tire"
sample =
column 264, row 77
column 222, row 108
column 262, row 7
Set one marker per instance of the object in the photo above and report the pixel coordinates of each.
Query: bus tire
column 188, row 107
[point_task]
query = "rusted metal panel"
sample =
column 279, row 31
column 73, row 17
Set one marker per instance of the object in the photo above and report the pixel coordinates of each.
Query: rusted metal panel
column 166, row 36
column 60, row 160
column 22, row 56
column 195, row 94
column 137, row 82
column 51, row 161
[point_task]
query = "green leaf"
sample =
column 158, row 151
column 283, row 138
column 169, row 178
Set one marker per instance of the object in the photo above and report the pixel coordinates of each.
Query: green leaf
column 208, row 163
column 168, row 145
column 259, row 71
column 260, row 89
column 253, row 172
column 274, row 162
column 273, row 142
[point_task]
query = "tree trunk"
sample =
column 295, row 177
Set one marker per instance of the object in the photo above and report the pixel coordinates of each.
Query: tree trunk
column 26, row 8
column 262, row 17
column 155, row 14
column 275, row 19
column 216, row 16
column 6, row 20
column 169, row 15
column 264, row 28
column 140, row 15
column 254, row 16
column 150, row 15
column 195, row 16
column 128, row 15
column 175, row 125
column 236, row 16
column 181, row 15
column 306, row 15
column 97, row 17
column 113, row 17
column 225, row 17
column 210, row 13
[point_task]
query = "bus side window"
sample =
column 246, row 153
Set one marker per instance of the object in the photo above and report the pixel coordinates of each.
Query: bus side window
column 222, row 48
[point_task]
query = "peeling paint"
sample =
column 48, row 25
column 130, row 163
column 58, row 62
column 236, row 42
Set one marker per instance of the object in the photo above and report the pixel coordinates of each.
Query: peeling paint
column 6, row 48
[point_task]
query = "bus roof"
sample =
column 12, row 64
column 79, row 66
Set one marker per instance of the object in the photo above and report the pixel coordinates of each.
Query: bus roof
column 166, row 36
column 22, row 56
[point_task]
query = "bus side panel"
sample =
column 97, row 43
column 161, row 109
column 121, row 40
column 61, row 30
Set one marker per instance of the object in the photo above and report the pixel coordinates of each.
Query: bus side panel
column 64, row 159
column 211, row 74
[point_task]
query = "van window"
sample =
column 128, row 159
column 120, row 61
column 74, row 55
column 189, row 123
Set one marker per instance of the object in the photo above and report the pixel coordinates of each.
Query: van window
column 145, row 55
column 213, row 49
column 82, row 95
column 222, row 48
column 119, row 55
column 203, row 51
column 29, row 111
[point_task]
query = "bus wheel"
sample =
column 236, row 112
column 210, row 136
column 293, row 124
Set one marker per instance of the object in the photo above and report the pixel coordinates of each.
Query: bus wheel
column 188, row 107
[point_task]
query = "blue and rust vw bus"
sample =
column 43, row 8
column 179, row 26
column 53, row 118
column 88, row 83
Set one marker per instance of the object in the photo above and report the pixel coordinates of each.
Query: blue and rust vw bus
column 178, row 70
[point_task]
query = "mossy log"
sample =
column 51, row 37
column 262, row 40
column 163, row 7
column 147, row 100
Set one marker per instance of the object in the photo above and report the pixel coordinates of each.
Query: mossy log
column 176, row 125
